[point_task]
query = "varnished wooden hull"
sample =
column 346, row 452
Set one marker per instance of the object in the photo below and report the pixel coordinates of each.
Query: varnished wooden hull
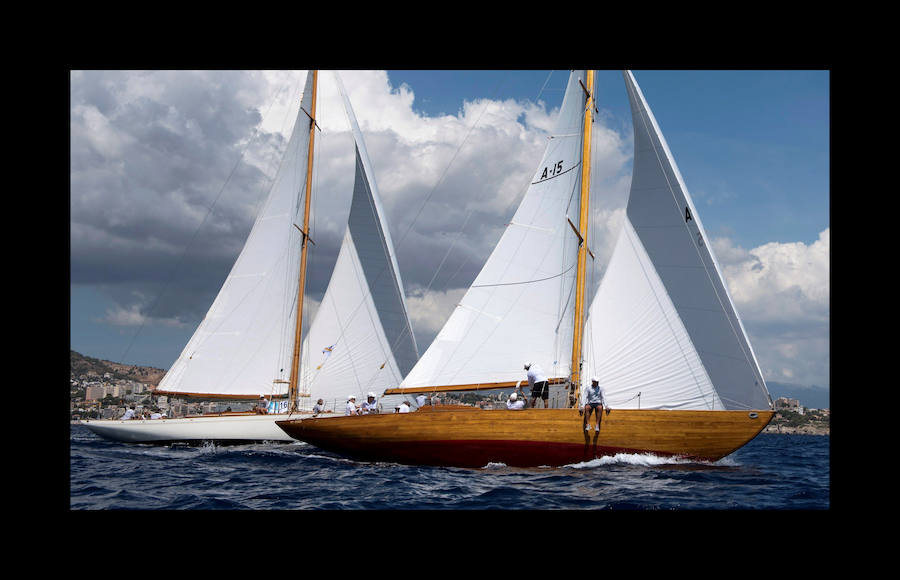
column 526, row 438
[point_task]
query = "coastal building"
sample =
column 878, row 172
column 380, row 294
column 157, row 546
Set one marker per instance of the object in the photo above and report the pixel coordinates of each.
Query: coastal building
column 784, row 403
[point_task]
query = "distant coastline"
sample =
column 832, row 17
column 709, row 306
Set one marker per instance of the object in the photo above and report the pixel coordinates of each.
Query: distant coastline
column 813, row 422
column 811, row 429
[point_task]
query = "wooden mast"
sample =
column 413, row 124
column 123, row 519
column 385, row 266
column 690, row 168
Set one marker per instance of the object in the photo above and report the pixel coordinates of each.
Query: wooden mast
column 582, row 246
column 295, row 363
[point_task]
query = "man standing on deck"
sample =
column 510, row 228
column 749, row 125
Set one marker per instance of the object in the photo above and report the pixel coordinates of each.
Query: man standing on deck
column 537, row 382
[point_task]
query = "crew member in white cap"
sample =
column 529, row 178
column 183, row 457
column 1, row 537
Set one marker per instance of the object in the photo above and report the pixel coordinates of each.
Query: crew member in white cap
column 515, row 403
column 351, row 406
column 370, row 406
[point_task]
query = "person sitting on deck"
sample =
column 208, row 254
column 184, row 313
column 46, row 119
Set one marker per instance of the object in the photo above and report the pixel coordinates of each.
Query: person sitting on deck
column 351, row 406
column 594, row 402
column 370, row 406
column 263, row 407
column 514, row 403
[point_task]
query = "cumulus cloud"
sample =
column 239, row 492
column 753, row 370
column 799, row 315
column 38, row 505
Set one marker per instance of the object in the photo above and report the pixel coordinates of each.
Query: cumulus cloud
column 429, row 309
column 168, row 168
column 782, row 293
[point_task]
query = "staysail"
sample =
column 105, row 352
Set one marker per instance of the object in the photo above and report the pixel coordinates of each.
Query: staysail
column 361, row 338
column 243, row 346
column 662, row 330
column 519, row 308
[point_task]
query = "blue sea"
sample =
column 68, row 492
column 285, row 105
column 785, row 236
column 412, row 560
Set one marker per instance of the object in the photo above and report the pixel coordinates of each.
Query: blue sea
column 771, row 472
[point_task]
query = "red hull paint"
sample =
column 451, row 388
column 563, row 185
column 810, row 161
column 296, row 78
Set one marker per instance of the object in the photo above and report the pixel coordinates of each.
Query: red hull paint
column 477, row 453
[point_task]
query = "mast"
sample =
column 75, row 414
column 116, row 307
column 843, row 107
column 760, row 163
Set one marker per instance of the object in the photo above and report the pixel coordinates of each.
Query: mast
column 295, row 363
column 582, row 245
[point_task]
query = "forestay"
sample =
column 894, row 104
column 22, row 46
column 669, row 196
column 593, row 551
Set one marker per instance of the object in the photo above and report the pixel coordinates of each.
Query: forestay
column 243, row 346
column 662, row 323
column 520, row 307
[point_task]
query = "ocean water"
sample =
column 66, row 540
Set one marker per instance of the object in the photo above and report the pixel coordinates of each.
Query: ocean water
column 772, row 472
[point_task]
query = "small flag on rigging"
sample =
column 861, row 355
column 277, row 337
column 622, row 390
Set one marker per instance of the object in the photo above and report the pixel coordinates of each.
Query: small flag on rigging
column 327, row 352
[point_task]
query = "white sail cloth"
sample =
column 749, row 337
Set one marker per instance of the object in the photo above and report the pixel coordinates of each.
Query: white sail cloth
column 346, row 350
column 244, row 345
column 361, row 339
column 662, row 330
column 519, row 308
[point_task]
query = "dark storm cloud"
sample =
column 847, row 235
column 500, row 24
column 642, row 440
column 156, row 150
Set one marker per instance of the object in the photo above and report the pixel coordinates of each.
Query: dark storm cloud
column 159, row 181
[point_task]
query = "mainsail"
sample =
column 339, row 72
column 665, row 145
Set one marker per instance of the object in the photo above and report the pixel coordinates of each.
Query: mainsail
column 519, row 307
column 244, row 344
column 361, row 339
column 662, row 331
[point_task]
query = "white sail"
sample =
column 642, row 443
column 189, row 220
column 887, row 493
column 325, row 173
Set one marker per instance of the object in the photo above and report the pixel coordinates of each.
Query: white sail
column 520, row 307
column 346, row 350
column 243, row 346
column 361, row 339
column 662, row 323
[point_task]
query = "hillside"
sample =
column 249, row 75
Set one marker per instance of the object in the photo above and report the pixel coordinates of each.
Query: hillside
column 85, row 365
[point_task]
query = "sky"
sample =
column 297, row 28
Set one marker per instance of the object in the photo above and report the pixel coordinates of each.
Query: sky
column 168, row 168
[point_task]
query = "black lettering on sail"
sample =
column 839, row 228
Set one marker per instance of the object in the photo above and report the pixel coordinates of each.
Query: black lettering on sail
column 687, row 215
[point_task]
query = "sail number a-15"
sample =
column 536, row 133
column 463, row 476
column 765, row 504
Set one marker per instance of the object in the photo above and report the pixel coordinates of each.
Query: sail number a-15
column 552, row 171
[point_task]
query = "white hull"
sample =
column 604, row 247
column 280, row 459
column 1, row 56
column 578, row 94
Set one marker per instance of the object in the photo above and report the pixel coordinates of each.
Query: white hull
column 218, row 428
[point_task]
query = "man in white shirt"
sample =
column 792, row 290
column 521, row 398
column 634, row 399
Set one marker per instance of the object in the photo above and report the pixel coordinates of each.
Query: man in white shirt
column 129, row 414
column 538, row 383
column 420, row 401
column 351, row 406
column 403, row 408
column 514, row 403
column 370, row 406
column 594, row 401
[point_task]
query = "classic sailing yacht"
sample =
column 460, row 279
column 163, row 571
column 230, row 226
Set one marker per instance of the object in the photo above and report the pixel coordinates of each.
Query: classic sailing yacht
column 248, row 344
column 662, row 334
